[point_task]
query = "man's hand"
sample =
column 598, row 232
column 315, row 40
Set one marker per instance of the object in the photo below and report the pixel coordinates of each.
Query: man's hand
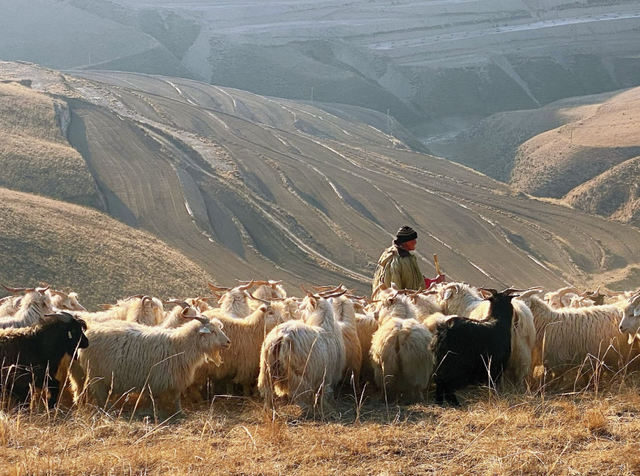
column 437, row 280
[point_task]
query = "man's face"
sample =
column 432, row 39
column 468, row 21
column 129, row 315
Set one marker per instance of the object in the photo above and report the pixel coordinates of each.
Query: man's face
column 410, row 245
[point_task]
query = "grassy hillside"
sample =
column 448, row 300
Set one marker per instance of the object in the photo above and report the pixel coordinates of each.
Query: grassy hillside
column 35, row 156
column 76, row 248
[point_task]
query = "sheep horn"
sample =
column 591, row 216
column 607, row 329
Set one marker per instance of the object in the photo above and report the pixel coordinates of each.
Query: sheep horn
column 246, row 286
column 215, row 288
column 256, row 299
column 15, row 290
column 178, row 302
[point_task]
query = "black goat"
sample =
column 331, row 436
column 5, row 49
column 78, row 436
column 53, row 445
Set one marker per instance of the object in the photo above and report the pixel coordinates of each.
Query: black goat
column 468, row 351
column 32, row 355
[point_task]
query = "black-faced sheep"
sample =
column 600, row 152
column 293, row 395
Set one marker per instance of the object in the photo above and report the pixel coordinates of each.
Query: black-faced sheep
column 469, row 351
column 32, row 355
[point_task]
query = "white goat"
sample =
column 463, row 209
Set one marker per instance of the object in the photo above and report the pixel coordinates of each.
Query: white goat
column 303, row 359
column 145, row 310
column 234, row 302
column 241, row 361
column 568, row 337
column 125, row 356
column 402, row 361
column 33, row 307
column 345, row 316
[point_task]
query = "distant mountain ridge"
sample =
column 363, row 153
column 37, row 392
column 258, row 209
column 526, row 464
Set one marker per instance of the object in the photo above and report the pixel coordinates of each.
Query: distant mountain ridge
column 420, row 62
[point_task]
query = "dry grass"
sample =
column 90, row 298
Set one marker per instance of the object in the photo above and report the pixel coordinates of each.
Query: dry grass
column 515, row 433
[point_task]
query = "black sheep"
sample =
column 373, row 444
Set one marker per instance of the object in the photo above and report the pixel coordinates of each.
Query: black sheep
column 32, row 355
column 465, row 348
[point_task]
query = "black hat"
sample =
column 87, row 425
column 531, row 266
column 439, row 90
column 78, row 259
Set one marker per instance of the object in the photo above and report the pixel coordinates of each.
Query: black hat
column 404, row 234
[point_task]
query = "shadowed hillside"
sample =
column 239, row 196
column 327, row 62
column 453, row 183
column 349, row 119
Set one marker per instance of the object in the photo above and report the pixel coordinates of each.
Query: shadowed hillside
column 254, row 187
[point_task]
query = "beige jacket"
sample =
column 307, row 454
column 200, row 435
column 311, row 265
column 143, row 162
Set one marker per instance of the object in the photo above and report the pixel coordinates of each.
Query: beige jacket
column 396, row 265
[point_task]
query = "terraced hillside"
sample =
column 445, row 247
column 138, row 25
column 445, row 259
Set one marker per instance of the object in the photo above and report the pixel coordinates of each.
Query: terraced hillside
column 254, row 187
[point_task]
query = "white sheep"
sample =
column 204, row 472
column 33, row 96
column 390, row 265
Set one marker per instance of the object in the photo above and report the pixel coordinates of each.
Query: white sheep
column 345, row 316
column 402, row 361
column 464, row 300
column 126, row 356
column 34, row 305
column 241, row 361
column 568, row 337
column 144, row 310
column 303, row 359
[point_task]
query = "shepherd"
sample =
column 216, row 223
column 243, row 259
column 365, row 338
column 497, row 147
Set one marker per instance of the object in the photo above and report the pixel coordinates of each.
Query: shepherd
column 398, row 264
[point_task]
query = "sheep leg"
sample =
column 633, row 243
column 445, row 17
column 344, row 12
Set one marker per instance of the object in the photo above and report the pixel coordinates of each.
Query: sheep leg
column 54, row 391
column 444, row 394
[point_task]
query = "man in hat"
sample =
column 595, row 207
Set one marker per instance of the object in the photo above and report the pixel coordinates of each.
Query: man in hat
column 397, row 264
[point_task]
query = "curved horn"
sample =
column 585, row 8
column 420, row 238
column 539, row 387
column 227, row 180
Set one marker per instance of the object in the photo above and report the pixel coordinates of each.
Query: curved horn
column 246, row 286
column 264, row 301
column 568, row 289
column 184, row 304
column 215, row 288
column 337, row 294
column 17, row 290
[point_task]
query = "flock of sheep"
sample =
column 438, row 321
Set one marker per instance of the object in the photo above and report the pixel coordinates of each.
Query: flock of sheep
column 258, row 339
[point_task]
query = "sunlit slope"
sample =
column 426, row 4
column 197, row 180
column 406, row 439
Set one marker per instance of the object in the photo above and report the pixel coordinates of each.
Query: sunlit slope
column 76, row 248
column 583, row 150
column 35, row 156
column 553, row 163
column 259, row 187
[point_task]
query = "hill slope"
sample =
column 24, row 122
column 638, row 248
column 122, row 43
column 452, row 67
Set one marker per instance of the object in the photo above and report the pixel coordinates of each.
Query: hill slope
column 76, row 248
column 254, row 187
column 583, row 150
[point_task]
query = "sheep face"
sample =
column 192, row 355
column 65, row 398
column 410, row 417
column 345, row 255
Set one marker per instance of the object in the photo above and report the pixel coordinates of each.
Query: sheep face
column 630, row 322
column 213, row 340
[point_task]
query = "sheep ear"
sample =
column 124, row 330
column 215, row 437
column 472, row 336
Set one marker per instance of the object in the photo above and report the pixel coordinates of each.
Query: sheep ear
column 486, row 293
column 636, row 311
column 204, row 330
column 447, row 294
